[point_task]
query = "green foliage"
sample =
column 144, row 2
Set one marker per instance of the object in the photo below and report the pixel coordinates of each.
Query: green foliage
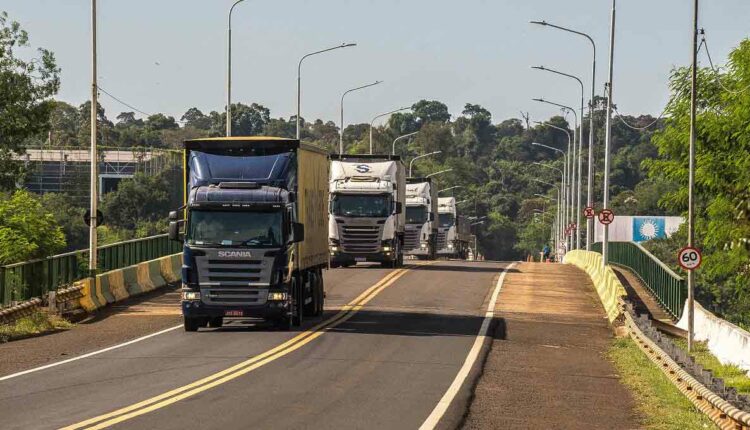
column 722, row 176
column 25, row 90
column 27, row 229
column 69, row 217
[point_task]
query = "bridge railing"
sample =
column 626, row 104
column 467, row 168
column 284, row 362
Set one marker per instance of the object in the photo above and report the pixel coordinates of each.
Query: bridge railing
column 669, row 288
column 34, row 278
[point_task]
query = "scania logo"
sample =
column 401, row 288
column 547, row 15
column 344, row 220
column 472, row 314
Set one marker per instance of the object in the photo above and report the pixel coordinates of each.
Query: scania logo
column 229, row 254
column 362, row 168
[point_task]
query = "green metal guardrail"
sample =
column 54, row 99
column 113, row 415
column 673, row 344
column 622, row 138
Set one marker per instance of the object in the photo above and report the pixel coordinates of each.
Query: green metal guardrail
column 669, row 288
column 22, row 281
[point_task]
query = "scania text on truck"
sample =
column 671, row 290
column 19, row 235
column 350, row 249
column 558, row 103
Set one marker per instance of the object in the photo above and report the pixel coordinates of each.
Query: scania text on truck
column 254, row 230
column 453, row 231
column 366, row 217
column 420, row 237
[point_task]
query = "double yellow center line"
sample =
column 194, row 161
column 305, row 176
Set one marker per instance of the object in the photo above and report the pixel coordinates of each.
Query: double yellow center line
column 189, row 390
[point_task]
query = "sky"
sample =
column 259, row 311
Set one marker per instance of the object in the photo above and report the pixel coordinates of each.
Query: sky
column 170, row 55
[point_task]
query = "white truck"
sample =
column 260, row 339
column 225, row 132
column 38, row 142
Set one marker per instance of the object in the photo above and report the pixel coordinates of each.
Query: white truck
column 453, row 231
column 366, row 210
column 420, row 238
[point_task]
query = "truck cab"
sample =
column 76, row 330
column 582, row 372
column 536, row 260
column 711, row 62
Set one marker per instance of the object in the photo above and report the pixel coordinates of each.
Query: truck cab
column 420, row 237
column 452, row 239
column 366, row 219
column 253, row 237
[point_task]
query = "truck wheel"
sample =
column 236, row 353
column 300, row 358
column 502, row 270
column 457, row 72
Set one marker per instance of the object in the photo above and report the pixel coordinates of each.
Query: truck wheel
column 191, row 324
column 320, row 289
column 297, row 303
column 216, row 322
column 284, row 323
column 311, row 308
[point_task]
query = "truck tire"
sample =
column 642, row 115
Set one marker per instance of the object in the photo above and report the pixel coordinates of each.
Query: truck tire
column 320, row 288
column 311, row 308
column 216, row 322
column 191, row 324
column 297, row 302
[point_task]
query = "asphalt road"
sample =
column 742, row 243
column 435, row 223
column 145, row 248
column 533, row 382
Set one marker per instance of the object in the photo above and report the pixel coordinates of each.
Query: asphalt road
column 384, row 361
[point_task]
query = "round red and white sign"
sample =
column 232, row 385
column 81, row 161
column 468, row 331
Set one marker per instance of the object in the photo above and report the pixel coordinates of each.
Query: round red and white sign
column 689, row 258
column 589, row 212
column 606, row 216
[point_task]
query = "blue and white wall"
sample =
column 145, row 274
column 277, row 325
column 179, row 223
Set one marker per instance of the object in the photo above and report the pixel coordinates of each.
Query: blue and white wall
column 638, row 228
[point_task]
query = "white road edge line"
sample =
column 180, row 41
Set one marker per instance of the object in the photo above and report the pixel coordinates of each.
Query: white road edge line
column 90, row 354
column 471, row 358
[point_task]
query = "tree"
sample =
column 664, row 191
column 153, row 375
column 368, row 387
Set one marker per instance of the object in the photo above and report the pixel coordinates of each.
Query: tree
column 430, row 111
column 25, row 90
column 193, row 117
column 27, row 229
column 69, row 218
column 140, row 199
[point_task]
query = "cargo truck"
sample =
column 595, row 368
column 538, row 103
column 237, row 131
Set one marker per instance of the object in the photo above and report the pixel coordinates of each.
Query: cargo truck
column 453, row 230
column 420, row 237
column 254, row 230
column 366, row 209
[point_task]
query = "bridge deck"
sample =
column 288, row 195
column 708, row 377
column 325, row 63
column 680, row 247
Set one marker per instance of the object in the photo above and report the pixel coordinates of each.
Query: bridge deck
column 546, row 367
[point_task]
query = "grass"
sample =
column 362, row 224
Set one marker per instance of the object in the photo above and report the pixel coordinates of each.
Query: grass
column 659, row 403
column 36, row 323
column 733, row 376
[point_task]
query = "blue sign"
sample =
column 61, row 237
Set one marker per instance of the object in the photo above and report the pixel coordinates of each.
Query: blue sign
column 647, row 228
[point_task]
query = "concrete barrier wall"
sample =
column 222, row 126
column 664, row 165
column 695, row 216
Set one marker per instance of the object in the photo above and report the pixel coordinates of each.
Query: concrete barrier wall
column 605, row 281
column 729, row 343
column 120, row 284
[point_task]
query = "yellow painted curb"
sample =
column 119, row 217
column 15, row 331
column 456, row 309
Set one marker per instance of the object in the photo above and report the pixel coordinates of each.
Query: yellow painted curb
column 605, row 281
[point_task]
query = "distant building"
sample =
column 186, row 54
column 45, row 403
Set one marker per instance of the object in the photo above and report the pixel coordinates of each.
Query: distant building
column 67, row 170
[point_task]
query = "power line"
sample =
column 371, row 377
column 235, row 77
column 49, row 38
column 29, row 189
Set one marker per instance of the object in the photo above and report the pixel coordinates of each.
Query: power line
column 129, row 105
column 716, row 71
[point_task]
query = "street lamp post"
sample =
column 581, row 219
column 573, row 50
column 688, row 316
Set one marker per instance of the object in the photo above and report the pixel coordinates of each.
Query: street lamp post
column 569, row 176
column 560, row 210
column 229, row 68
column 94, row 164
column 341, row 135
column 574, row 178
column 380, row 116
column 580, row 150
column 299, row 77
column 439, row 173
column 449, row 188
column 563, row 184
column 405, row 136
column 590, row 166
column 608, row 137
column 421, row 156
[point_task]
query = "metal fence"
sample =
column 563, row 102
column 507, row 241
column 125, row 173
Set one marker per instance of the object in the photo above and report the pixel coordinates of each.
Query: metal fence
column 669, row 288
column 22, row 281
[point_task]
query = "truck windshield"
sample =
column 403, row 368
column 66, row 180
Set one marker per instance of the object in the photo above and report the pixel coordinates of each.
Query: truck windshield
column 416, row 214
column 361, row 206
column 230, row 228
column 446, row 220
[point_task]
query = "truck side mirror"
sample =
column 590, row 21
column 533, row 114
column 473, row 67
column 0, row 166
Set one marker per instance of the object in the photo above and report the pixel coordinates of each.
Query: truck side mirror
column 173, row 216
column 399, row 207
column 174, row 230
column 298, row 232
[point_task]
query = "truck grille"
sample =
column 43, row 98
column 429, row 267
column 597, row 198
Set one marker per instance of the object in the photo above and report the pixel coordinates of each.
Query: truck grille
column 411, row 237
column 230, row 281
column 360, row 238
column 441, row 242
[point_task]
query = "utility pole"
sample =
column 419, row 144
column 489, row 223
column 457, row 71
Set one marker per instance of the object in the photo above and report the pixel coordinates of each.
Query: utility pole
column 94, row 162
column 608, row 137
column 691, row 177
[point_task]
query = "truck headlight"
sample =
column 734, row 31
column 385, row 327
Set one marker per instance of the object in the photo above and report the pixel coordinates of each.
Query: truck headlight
column 386, row 248
column 191, row 295
column 450, row 246
column 334, row 248
column 276, row 296
column 423, row 245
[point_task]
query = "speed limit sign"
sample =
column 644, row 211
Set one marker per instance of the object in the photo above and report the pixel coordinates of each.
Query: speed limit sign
column 689, row 258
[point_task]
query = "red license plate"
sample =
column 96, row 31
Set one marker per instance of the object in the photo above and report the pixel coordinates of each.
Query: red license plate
column 233, row 313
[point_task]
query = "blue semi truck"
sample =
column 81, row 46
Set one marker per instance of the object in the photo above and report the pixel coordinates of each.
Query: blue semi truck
column 254, row 229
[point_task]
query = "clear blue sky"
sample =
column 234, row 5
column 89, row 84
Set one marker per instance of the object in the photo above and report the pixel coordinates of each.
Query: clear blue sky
column 169, row 55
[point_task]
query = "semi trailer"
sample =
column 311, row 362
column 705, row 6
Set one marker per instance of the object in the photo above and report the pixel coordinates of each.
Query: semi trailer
column 366, row 209
column 453, row 230
column 420, row 236
column 253, row 227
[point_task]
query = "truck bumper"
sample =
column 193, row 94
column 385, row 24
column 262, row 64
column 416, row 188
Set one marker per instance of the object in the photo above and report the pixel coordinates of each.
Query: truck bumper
column 198, row 309
column 339, row 258
column 418, row 251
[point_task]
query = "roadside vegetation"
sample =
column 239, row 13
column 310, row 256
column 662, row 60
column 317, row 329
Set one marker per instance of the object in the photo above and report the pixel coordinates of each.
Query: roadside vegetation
column 732, row 375
column 660, row 404
column 37, row 323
